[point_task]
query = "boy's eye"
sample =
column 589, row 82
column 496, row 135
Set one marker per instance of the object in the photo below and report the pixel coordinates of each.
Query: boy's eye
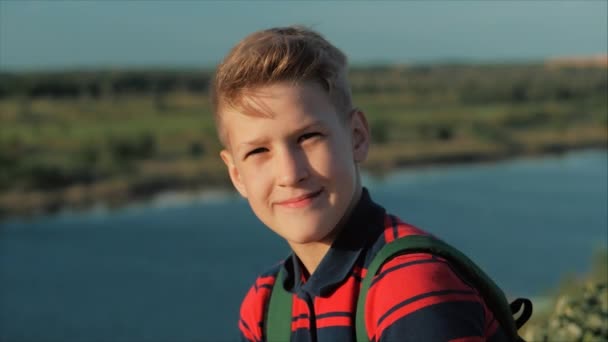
column 308, row 136
column 256, row 151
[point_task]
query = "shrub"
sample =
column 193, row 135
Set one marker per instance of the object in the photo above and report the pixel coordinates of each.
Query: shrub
column 126, row 148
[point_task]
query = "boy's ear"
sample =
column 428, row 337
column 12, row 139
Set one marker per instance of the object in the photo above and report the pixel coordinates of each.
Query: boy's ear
column 360, row 134
column 235, row 176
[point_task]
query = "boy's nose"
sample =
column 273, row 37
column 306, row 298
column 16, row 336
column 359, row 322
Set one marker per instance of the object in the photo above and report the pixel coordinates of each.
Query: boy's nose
column 291, row 168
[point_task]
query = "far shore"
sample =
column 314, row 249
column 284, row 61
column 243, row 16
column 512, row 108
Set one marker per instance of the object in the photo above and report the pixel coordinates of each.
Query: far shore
column 118, row 195
column 74, row 140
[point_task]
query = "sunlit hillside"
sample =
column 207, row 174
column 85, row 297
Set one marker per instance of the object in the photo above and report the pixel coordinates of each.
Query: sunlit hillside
column 78, row 137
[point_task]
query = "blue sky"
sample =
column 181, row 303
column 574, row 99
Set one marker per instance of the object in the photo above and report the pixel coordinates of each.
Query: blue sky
column 73, row 34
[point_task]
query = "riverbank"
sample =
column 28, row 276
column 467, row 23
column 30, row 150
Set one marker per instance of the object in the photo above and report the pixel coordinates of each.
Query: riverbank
column 578, row 309
column 118, row 193
column 76, row 139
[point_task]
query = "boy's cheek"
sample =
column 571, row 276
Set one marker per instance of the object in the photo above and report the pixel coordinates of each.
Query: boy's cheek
column 254, row 177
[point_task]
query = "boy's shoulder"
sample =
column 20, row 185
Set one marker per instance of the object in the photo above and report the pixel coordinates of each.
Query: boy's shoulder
column 393, row 228
column 262, row 286
column 420, row 290
column 253, row 307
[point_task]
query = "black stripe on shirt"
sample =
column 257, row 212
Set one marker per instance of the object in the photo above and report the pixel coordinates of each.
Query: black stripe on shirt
column 325, row 315
column 249, row 330
column 245, row 325
column 419, row 297
column 394, row 268
column 300, row 316
column 335, row 314
column 439, row 322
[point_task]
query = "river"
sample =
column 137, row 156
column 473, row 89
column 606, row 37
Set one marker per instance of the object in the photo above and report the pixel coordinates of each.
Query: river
column 176, row 269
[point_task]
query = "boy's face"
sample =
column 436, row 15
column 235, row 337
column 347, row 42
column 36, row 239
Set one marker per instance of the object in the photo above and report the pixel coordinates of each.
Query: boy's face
column 297, row 168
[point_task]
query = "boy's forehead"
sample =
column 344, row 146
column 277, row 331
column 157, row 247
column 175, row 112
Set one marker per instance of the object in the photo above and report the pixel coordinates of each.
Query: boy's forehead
column 260, row 116
column 243, row 131
column 276, row 109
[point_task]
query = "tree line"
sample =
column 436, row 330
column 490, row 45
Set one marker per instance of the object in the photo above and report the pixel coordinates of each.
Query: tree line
column 512, row 83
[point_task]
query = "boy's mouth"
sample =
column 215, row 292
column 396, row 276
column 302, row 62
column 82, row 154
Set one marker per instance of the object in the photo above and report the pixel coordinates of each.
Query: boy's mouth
column 300, row 201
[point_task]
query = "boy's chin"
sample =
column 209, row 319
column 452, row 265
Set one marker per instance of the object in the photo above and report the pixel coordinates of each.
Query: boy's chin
column 307, row 236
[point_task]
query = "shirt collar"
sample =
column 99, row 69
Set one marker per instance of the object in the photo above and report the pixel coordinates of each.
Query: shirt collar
column 365, row 222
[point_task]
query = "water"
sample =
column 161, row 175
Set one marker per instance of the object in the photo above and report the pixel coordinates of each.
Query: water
column 177, row 270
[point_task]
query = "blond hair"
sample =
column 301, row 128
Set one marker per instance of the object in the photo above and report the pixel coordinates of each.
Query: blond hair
column 293, row 54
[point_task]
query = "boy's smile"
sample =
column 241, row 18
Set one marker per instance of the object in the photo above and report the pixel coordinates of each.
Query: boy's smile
column 297, row 163
column 300, row 201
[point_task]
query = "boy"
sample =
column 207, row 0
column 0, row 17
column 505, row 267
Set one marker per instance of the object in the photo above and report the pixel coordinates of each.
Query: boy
column 293, row 143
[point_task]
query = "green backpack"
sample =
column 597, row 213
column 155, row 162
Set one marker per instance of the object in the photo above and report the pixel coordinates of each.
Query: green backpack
column 278, row 316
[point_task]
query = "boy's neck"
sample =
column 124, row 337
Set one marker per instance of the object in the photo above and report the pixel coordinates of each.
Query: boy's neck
column 311, row 254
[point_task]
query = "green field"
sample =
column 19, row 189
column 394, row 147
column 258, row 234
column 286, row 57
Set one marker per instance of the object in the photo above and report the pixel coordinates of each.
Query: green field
column 77, row 138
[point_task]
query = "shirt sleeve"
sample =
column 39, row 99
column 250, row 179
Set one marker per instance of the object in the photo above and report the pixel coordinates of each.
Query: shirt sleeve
column 253, row 308
column 248, row 325
column 418, row 297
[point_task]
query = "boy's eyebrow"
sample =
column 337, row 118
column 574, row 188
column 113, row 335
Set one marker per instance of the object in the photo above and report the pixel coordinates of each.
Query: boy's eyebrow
column 261, row 141
column 254, row 142
column 310, row 125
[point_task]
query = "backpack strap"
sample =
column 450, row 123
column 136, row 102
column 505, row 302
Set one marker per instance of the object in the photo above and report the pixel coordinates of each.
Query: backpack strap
column 278, row 314
column 491, row 293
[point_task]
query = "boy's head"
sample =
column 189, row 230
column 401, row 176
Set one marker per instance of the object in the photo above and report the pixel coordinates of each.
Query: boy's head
column 292, row 139
column 284, row 54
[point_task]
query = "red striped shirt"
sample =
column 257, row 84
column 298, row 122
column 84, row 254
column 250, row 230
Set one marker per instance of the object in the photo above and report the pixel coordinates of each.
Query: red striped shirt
column 414, row 297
